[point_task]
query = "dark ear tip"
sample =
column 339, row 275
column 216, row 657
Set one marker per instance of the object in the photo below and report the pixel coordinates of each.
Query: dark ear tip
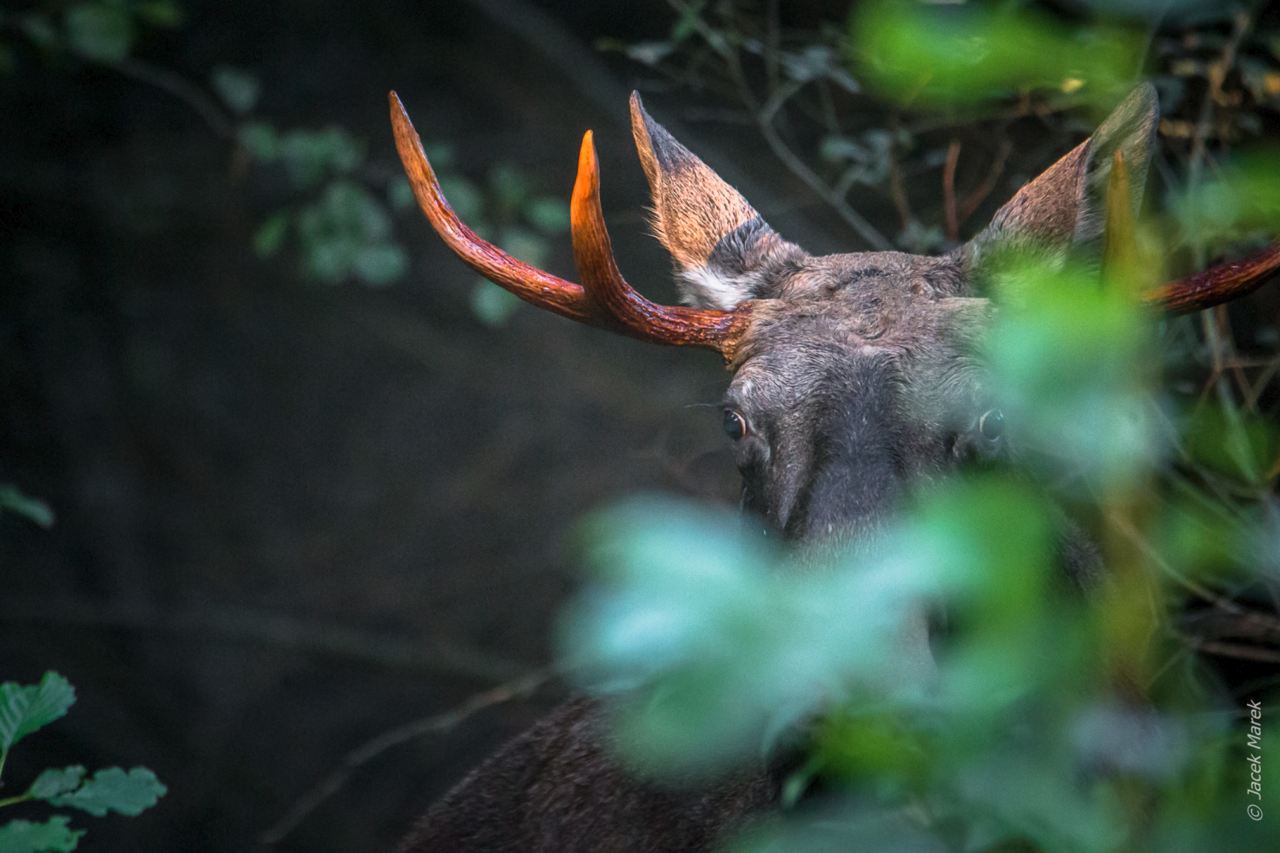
column 1144, row 94
column 638, row 114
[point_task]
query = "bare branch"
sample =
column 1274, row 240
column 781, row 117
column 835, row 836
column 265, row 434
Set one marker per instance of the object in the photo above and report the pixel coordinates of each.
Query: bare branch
column 269, row 629
column 371, row 749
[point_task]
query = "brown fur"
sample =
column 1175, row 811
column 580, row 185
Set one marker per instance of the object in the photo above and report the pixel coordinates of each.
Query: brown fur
column 557, row 788
column 691, row 205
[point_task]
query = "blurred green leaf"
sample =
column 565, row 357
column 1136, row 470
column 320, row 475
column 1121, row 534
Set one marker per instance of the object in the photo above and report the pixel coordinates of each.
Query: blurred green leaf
column 400, row 194
column 260, row 140
column 270, row 234
column 492, row 305
column 347, row 232
column 160, row 13
column 238, row 89
column 710, row 651
column 687, row 23
column 466, row 200
column 20, row 836
column 950, row 54
column 35, row 510
column 1233, row 443
column 441, row 154
column 548, row 215
column 1069, row 363
column 39, row 29
column 510, row 188
column 311, row 156
column 100, row 31
column 7, row 62
column 1246, row 196
column 380, row 265
column 25, row 709
column 528, row 246
column 113, row 789
column 1199, row 542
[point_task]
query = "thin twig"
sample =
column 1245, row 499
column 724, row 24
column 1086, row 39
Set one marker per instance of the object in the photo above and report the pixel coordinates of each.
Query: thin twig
column 372, row 748
column 949, row 190
column 774, row 44
column 897, row 191
column 865, row 229
column 765, row 115
column 1126, row 529
column 1217, row 76
column 181, row 88
column 1233, row 650
column 270, row 629
column 980, row 193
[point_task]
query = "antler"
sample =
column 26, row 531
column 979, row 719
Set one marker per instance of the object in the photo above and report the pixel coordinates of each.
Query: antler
column 1120, row 257
column 604, row 299
column 1216, row 285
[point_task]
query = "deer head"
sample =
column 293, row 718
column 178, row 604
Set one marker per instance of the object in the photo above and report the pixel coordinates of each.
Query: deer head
column 854, row 373
column 855, row 381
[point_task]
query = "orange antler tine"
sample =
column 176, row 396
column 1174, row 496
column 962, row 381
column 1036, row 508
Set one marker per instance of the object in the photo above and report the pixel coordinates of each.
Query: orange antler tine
column 529, row 283
column 1216, row 285
column 620, row 307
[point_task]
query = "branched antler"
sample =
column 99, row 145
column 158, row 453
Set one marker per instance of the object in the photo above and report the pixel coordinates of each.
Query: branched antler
column 604, row 299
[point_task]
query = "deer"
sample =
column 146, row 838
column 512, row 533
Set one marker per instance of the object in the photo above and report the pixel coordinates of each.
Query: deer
column 853, row 379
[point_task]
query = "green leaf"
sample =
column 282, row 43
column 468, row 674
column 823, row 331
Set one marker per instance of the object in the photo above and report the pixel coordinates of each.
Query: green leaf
column 53, row 782
column 969, row 52
column 20, row 836
column 114, row 790
column 270, row 234
column 466, row 201
column 530, row 247
column 238, row 89
column 509, row 186
column 39, row 30
column 548, row 215
column 688, row 22
column 25, row 709
column 260, row 139
column 400, row 194
column 311, row 155
column 7, row 62
column 160, row 13
column 100, row 32
column 380, row 264
column 492, row 305
column 33, row 509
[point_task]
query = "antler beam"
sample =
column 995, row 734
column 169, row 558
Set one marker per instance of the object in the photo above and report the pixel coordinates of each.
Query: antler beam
column 1216, row 285
column 605, row 300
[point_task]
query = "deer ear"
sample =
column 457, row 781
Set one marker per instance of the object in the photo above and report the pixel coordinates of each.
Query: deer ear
column 1065, row 205
column 720, row 244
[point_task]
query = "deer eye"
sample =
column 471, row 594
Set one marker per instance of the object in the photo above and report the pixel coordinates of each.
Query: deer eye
column 735, row 426
column 991, row 424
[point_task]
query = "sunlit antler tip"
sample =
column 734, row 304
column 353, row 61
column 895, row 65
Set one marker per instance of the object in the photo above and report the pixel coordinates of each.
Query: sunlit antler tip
column 587, row 161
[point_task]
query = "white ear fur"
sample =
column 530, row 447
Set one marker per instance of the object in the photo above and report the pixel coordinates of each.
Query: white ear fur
column 711, row 287
column 720, row 245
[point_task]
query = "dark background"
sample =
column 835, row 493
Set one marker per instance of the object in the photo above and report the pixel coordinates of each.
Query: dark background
column 294, row 516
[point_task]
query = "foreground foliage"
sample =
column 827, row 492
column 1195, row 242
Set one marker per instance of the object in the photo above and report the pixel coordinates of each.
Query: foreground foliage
column 1056, row 721
column 24, row 710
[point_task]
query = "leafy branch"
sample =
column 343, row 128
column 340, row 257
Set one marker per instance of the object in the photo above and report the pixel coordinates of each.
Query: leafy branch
column 24, row 710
